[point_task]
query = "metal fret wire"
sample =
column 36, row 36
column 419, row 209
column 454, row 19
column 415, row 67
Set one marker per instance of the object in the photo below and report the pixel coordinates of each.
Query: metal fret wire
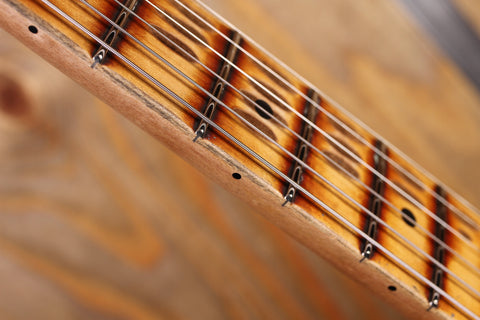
column 397, row 210
column 338, row 121
column 333, row 140
column 360, row 206
column 257, row 157
column 279, row 146
column 404, row 194
column 332, row 117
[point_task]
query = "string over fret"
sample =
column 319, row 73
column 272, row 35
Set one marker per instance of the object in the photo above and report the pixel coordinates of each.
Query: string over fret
column 269, row 165
column 218, row 89
column 296, row 169
column 375, row 202
column 439, row 250
column 113, row 35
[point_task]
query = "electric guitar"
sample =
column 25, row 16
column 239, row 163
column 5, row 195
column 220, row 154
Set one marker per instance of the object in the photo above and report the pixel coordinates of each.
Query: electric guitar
column 210, row 93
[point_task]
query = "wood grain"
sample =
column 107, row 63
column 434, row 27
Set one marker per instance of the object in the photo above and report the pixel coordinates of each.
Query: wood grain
column 374, row 61
column 104, row 222
column 111, row 216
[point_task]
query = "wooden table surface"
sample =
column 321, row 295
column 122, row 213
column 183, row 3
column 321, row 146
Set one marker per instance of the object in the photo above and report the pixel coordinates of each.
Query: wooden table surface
column 99, row 221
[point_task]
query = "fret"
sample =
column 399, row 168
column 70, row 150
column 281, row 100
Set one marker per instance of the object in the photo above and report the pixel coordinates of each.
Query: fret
column 263, row 97
column 113, row 34
column 438, row 249
column 302, row 149
column 219, row 85
column 375, row 203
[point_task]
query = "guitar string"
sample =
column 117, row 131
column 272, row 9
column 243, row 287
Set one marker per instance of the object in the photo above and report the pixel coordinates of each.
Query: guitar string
column 394, row 186
column 396, row 209
column 457, row 196
column 338, row 121
column 433, row 260
column 334, row 118
column 258, row 158
column 408, row 197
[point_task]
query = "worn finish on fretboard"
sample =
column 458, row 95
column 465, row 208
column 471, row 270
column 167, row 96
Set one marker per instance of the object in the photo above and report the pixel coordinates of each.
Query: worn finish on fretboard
column 220, row 82
column 344, row 165
column 439, row 252
column 375, row 203
column 302, row 149
column 113, row 33
column 270, row 93
column 169, row 122
column 402, row 187
column 175, row 44
column 349, row 133
column 186, row 29
column 346, row 150
column 257, row 123
column 196, row 18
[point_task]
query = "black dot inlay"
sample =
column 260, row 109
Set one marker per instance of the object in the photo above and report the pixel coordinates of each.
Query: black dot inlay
column 33, row 29
column 237, row 176
column 407, row 213
column 392, row 288
column 263, row 109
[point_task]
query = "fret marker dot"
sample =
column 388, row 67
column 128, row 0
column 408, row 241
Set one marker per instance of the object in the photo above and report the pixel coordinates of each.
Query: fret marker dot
column 236, row 176
column 263, row 109
column 33, row 29
column 392, row 288
column 408, row 217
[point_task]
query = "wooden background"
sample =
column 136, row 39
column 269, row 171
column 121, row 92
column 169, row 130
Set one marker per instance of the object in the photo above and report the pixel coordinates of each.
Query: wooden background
column 99, row 221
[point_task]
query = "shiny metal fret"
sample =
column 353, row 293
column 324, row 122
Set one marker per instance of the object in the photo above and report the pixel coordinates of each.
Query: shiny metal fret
column 296, row 169
column 113, row 34
column 375, row 203
column 218, row 89
column 439, row 249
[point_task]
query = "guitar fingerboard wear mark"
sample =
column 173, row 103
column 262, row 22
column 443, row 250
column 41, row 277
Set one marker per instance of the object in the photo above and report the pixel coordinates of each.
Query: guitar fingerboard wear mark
column 184, row 28
column 175, row 44
column 375, row 203
column 218, row 88
column 296, row 169
column 113, row 34
column 438, row 249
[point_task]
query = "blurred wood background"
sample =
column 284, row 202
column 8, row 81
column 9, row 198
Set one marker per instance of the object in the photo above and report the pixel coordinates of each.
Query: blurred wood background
column 100, row 221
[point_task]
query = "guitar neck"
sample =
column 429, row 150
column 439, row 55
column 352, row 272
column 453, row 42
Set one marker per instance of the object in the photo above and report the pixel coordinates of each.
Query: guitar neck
column 247, row 121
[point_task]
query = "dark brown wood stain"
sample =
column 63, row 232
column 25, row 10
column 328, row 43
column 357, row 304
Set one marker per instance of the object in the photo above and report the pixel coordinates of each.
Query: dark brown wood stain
column 182, row 27
column 257, row 123
column 175, row 44
column 273, row 96
column 342, row 151
column 342, row 163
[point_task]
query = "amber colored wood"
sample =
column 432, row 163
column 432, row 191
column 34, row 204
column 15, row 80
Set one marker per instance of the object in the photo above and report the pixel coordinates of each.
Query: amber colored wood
column 123, row 252
column 292, row 310
column 374, row 61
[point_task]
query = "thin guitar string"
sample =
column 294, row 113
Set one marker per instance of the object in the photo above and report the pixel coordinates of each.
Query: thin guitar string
column 247, row 98
column 396, row 209
column 434, row 261
column 333, row 140
column 259, row 158
column 456, row 210
column 338, row 121
column 461, row 199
